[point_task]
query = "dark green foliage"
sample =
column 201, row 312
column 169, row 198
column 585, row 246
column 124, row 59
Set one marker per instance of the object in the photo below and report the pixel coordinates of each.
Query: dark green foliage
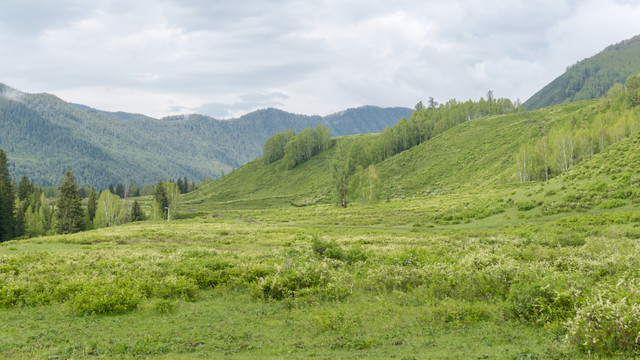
column 92, row 203
column 46, row 136
column 69, row 213
column 591, row 78
column 161, row 198
column 7, row 200
column 120, row 190
column 136, row 212
column 25, row 188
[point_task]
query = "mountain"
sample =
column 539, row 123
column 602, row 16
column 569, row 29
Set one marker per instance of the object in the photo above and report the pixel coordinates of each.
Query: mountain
column 44, row 136
column 591, row 78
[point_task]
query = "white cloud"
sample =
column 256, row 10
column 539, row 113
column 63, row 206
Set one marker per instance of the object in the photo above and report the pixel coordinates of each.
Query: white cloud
column 226, row 57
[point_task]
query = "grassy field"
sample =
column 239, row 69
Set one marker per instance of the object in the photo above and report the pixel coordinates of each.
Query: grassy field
column 458, row 261
column 396, row 280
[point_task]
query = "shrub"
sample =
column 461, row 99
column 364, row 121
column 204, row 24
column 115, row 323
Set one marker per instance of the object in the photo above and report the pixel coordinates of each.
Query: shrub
column 114, row 297
column 606, row 326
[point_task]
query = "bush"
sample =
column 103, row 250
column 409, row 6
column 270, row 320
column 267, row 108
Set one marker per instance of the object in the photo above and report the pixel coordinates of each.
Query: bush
column 113, row 297
column 606, row 326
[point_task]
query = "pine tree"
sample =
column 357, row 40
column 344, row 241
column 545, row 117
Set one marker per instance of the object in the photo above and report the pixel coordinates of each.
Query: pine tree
column 120, row 190
column 69, row 207
column 25, row 188
column 7, row 200
column 92, row 203
column 161, row 198
column 136, row 212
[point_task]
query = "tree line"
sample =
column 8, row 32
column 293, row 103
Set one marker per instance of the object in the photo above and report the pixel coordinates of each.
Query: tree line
column 26, row 211
column 294, row 149
column 564, row 147
column 353, row 170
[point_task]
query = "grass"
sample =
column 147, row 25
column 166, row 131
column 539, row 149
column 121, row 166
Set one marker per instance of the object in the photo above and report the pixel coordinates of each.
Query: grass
column 461, row 262
column 226, row 287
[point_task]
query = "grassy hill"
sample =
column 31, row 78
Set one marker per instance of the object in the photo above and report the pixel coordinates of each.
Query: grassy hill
column 44, row 136
column 591, row 78
column 477, row 154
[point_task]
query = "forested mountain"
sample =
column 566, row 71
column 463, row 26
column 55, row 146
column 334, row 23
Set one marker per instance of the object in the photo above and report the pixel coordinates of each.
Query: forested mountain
column 591, row 77
column 44, row 136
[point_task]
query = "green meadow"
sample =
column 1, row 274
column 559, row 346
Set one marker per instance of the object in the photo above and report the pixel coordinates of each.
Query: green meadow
column 469, row 252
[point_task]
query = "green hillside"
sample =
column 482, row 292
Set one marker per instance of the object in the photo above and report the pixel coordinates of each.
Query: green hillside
column 45, row 136
column 474, row 155
column 591, row 78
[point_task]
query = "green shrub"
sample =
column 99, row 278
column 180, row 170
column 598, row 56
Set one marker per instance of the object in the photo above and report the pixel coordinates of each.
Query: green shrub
column 114, row 297
column 539, row 303
column 612, row 204
column 527, row 205
column 609, row 322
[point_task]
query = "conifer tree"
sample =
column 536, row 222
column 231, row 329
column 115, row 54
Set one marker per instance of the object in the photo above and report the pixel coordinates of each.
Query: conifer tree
column 25, row 188
column 7, row 200
column 136, row 212
column 120, row 190
column 161, row 198
column 92, row 203
column 69, row 207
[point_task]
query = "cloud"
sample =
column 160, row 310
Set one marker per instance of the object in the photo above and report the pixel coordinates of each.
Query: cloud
column 162, row 57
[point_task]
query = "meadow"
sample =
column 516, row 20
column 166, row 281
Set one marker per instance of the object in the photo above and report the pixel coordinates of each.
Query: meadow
column 437, row 277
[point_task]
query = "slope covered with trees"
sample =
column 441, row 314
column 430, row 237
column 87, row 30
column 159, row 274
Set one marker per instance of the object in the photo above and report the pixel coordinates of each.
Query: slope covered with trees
column 591, row 78
column 45, row 136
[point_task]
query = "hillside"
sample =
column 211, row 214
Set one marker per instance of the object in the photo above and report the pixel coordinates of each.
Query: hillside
column 591, row 78
column 45, row 136
column 476, row 154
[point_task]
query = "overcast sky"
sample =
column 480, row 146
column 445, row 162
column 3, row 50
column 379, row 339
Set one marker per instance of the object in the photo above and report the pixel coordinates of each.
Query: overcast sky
column 227, row 58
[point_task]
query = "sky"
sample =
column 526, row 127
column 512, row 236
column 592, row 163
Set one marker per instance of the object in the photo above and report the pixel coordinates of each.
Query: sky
column 225, row 58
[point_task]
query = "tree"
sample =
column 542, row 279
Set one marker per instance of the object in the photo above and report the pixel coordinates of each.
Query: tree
column 69, row 207
column 7, row 200
column 340, row 168
column 173, row 195
column 110, row 210
column 160, row 196
column 136, row 212
column 25, row 188
column 120, row 190
column 92, row 203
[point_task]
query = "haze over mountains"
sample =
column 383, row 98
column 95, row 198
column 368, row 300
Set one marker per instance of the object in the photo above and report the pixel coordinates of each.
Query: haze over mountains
column 44, row 136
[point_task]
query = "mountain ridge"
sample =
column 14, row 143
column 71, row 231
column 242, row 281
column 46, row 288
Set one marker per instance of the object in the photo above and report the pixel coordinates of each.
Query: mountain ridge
column 44, row 136
column 592, row 77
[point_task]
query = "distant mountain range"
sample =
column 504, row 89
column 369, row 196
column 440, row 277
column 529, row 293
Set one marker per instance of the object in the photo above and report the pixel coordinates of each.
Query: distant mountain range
column 44, row 136
column 591, row 78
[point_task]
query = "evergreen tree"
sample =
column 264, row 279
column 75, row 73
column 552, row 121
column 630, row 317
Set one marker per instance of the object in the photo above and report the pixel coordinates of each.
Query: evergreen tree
column 7, row 200
column 120, row 190
column 161, row 198
column 25, row 188
column 92, row 203
column 69, row 207
column 136, row 212
column 112, row 189
column 180, row 185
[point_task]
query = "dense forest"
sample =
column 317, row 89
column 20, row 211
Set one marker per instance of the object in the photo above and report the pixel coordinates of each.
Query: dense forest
column 591, row 78
column 45, row 136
